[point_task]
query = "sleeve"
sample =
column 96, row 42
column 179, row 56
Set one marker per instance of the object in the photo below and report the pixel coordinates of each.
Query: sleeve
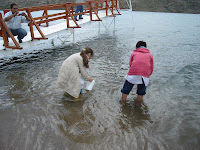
column 131, row 60
column 6, row 15
column 152, row 64
column 23, row 19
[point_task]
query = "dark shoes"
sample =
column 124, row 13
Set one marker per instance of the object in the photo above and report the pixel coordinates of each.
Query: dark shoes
column 20, row 40
column 79, row 18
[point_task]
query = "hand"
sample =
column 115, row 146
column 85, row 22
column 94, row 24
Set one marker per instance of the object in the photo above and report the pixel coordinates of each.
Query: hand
column 15, row 13
column 27, row 18
column 90, row 80
column 23, row 14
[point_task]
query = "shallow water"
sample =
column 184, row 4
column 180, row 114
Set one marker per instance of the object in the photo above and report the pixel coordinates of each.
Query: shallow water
column 35, row 114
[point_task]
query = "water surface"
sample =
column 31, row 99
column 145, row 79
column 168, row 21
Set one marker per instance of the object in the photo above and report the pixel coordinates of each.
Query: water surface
column 35, row 114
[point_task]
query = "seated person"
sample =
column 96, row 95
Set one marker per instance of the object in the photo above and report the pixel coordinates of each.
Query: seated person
column 13, row 20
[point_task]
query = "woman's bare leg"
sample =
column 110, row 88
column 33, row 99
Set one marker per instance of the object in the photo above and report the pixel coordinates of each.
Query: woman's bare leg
column 124, row 96
column 139, row 100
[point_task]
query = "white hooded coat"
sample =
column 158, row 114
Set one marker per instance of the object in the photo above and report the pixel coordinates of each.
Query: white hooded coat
column 71, row 71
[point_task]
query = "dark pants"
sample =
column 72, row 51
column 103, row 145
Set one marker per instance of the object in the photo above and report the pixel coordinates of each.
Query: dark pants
column 20, row 33
column 141, row 88
column 78, row 9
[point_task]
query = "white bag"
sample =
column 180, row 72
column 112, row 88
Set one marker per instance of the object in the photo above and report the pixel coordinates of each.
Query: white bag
column 89, row 85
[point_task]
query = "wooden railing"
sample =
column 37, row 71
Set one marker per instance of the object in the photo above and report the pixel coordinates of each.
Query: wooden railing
column 5, row 29
column 90, row 7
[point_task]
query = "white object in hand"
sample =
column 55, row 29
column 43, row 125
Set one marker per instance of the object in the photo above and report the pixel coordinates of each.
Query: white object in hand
column 89, row 85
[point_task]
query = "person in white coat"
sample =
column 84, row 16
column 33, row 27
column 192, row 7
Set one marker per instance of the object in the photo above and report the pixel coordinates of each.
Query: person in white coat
column 73, row 69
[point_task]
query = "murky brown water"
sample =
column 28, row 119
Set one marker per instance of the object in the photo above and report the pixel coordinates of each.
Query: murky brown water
column 35, row 114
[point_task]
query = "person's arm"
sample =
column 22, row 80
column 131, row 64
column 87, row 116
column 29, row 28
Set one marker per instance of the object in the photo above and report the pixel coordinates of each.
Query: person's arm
column 10, row 17
column 83, row 71
column 131, row 59
column 25, row 15
column 85, row 74
column 91, row 79
column 152, row 65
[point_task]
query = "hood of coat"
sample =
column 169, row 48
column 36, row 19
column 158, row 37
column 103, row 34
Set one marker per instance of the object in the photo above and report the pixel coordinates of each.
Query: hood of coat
column 142, row 50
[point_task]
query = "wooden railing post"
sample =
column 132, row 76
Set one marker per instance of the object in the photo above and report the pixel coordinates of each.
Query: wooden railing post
column 3, row 31
column 90, row 5
column 120, row 4
column 36, row 25
column 106, row 7
column 67, row 16
column 46, row 15
column 71, row 15
column 97, row 6
column 112, row 5
column 30, row 25
column 96, row 13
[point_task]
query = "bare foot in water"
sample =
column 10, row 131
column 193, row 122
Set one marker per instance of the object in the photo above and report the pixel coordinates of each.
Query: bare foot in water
column 138, row 103
column 123, row 103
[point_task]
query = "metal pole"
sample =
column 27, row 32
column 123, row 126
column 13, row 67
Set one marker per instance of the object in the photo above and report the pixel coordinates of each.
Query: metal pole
column 130, row 5
column 114, row 24
column 73, row 36
column 99, row 26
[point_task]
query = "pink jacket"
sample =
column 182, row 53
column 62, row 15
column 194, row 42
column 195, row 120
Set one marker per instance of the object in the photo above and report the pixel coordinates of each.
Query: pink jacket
column 141, row 62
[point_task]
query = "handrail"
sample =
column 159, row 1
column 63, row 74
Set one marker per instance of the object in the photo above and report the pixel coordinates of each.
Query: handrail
column 36, row 25
column 92, row 7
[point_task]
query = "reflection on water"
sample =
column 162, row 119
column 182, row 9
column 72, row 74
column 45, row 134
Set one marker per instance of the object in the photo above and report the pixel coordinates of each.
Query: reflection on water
column 35, row 114
column 137, row 115
column 90, row 121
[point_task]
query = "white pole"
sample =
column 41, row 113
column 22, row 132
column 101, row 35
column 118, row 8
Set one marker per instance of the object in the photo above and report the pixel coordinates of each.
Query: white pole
column 114, row 23
column 73, row 36
column 130, row 4
column 99, row 26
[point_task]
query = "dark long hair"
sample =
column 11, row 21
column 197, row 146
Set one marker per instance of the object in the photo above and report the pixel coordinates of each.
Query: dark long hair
column 84, row 53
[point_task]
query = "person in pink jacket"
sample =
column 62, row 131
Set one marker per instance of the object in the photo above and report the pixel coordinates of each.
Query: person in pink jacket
column 140, row 69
